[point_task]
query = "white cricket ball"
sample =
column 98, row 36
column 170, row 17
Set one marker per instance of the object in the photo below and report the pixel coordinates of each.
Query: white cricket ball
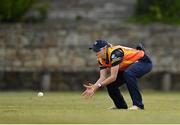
column 40, row 94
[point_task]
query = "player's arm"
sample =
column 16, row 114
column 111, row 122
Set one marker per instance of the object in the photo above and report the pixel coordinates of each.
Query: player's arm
column 102, row 77
column 112, row 77
column 103, row 73
column 116, row 59
column 91, row 88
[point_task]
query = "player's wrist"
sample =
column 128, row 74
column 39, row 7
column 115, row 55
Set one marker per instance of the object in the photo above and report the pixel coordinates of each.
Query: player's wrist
column 99, row 85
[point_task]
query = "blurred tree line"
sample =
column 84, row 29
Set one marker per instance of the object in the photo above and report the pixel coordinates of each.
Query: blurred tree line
column 167, row 11
column 16, row 10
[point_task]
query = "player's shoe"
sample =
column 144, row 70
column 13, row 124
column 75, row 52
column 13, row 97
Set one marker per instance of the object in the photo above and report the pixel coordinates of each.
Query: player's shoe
column 134, row 107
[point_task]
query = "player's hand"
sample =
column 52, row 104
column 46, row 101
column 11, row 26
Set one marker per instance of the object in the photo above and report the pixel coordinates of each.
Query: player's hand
column 90, row 90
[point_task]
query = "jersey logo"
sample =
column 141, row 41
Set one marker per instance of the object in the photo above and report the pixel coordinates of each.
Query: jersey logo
column 113, row 56
column 116, row 60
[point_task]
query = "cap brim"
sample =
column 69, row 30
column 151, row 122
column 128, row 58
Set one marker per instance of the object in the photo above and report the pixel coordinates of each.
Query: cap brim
column 90, row 48
column 95, row 49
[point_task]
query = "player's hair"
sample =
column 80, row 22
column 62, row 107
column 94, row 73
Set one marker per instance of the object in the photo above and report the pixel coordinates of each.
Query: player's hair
column 109, row 45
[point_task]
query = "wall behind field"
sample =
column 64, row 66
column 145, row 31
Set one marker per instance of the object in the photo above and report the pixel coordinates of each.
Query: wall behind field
column 29, row 47
column 57, row 50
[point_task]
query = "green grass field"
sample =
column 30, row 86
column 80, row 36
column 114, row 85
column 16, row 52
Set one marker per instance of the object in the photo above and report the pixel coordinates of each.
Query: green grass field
column 64, row 107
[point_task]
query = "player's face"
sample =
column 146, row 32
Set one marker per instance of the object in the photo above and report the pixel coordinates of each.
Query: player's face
column 101, row 54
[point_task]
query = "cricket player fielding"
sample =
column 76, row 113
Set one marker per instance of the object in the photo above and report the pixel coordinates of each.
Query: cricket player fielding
column 126, row 66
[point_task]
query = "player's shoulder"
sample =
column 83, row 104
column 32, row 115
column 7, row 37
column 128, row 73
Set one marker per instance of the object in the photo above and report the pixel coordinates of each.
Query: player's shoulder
column 118, row 50
column 117, row 53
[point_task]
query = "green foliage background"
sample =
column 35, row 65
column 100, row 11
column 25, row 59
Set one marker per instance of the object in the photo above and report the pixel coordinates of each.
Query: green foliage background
column 13, row 10
column 167, row 11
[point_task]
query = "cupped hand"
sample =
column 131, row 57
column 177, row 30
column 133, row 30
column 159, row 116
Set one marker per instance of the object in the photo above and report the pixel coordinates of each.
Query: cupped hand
column 90, row 90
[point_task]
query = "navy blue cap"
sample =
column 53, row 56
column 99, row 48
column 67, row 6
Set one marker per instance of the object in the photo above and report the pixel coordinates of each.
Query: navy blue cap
column 98, row 45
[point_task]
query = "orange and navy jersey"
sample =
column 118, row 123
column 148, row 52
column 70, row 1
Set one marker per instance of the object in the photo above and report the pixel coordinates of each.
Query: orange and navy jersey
column 121, row 55
column 115, row 59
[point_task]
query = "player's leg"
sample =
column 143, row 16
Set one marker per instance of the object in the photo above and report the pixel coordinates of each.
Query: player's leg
column 115, row 94
column 131, row 75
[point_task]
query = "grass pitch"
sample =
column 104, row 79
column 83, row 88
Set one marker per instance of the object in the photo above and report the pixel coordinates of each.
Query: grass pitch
column 64, row 107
